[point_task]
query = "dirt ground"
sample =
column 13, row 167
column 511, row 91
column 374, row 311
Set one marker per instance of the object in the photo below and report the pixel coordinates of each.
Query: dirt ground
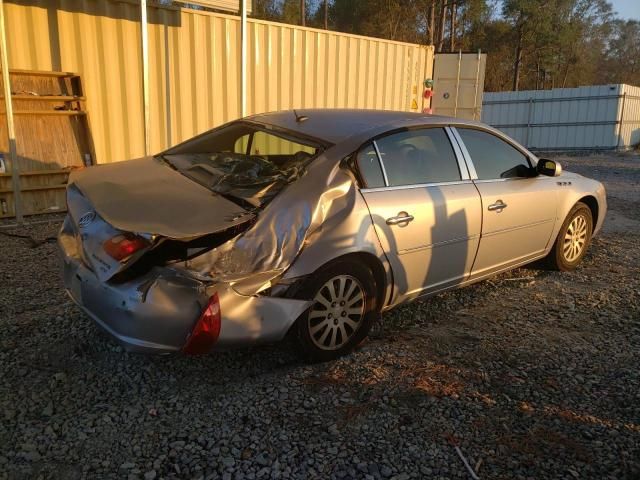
column 533, row 374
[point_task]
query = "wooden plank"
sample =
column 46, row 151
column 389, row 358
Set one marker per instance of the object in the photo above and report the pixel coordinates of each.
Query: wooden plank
column 59, row 210
column 60, row 171
column 41, row 73
column 47, row 98
column 36, row 189
column 47, row 112
column 85, row 128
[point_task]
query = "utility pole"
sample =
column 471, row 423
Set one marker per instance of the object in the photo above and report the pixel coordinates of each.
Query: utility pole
column 443, row 23
column 13, row 152
column 145, row 75
column 517, row 63
column 432, row 21
column 326, row 14
column 243, row 58
column 303, row 14
column 452, row 27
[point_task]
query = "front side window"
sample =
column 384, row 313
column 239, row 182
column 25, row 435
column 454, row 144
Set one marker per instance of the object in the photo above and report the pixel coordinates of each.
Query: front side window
column 418, row 156
column 492, row 157
column 245, row 162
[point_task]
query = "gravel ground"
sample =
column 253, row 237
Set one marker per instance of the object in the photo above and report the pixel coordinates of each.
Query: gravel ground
column 533, row 374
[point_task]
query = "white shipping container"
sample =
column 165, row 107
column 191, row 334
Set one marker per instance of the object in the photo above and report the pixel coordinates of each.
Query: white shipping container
column 602, row 117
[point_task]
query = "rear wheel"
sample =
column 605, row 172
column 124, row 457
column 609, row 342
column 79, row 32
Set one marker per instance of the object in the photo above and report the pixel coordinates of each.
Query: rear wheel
column 343, row 310
column 573, row 239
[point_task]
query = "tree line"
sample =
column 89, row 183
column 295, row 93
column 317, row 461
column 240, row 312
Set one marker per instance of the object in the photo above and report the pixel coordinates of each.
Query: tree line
column 530, row 44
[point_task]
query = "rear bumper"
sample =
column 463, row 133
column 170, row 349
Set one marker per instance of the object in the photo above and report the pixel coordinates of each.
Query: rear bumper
column 156, row 312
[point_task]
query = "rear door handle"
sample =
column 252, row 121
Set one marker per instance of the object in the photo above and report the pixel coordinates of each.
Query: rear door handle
column 498, row 206
column 402, row 217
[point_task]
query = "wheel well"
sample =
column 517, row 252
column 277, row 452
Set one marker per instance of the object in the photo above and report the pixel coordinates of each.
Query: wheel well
column 374, row 264
column 379, row 275
column 592, row 203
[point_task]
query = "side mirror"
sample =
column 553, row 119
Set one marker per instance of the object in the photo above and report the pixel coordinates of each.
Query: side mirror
column 547, row 167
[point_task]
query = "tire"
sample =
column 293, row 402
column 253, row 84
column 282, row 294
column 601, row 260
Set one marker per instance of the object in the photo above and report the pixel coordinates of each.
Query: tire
column 573, row 239
column 338, row 320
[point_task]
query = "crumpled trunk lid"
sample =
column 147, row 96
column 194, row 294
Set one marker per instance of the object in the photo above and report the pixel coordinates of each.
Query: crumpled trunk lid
column 148, row 196
column 144, row 197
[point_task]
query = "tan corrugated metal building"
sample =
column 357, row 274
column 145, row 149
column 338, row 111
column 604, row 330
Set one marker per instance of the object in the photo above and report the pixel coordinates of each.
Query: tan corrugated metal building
column 194, row 67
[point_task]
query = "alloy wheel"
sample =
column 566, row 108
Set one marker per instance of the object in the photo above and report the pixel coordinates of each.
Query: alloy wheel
column 337, row 312
column 575, row 238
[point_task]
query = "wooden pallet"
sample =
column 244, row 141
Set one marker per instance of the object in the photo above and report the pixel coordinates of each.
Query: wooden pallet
column 53, row 137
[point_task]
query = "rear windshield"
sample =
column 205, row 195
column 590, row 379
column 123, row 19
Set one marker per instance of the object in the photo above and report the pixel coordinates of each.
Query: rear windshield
column 244, row 162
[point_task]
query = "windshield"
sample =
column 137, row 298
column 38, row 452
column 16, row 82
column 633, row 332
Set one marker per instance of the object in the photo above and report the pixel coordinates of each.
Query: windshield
column 247, row 163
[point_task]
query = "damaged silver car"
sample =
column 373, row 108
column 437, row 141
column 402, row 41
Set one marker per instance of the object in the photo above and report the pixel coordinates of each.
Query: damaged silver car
column 311, row 223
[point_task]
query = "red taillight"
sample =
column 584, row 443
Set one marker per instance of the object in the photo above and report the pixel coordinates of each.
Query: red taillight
column 207, row 329
column 124, row 245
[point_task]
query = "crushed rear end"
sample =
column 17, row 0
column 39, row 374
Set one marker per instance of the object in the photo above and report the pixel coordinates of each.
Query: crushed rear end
column 135, row 281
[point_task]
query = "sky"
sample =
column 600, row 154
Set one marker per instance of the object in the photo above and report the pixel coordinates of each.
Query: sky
column 627, row 9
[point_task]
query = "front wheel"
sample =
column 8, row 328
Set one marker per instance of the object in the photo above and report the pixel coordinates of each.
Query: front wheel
column 342, row 313
column 573, row 239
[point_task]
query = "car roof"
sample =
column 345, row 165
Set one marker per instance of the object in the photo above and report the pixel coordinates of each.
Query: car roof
column 338, row 124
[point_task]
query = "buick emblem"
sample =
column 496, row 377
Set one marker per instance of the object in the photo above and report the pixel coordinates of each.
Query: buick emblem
column 86, row 219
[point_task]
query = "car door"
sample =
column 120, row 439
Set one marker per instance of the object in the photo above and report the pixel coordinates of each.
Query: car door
column 518, row 209
column 425, row 209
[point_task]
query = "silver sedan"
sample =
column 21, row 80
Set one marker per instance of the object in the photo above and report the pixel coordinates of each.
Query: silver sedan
column 311, row 224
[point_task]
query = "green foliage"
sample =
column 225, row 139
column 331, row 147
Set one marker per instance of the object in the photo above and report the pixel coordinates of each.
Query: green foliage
column 622, row 59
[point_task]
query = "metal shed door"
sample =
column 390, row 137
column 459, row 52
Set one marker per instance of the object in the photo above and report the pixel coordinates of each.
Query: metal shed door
column 458, row 84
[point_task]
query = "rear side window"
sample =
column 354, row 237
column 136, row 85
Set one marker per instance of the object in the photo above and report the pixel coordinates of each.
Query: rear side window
column 418, row 156
column 369, row 167
column 492, row 157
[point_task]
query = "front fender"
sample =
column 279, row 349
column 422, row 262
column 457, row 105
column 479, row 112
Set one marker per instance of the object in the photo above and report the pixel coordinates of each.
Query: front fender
column 571, row 189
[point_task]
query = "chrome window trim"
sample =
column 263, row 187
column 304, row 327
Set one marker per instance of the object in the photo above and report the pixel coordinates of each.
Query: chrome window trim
column 384, row 170
column 457, row 151
column 415, row 185
column 465, row 153
column 491, row 180
column 531, row 159
column 501, row 135
column 464, row 175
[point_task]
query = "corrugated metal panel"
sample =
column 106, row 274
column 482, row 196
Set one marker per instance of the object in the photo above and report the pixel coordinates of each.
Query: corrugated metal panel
column 458, row 84
column 195, row 71
column 290, row 67
column 630, row 112
column 568, row 118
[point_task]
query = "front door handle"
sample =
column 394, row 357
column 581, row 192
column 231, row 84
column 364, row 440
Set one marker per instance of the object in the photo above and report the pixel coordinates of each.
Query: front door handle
column 402, row 217
column 498, row 206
